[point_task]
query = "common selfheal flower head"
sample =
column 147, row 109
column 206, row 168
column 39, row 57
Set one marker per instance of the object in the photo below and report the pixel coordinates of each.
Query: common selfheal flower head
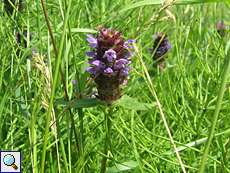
column 161, row 46
column 221, row 28
column 21, row 38
column 10, row 5
column 109, row 60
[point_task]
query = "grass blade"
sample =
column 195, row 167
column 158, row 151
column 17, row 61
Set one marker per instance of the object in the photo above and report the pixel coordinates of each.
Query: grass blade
column 58, row 63
column 216, row 113
column 159, row 2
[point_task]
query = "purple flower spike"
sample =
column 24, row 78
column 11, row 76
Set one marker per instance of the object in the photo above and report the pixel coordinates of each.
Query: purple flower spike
column 109, row 61
column 110, row 55
column 221, row 28
column 92, row 41
column 10, row 5
column 161, row 45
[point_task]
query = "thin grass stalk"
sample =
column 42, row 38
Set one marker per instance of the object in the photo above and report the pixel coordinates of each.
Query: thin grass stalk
column 153, row 92
column 49, row 27
column 33, row 135
column 108, row 127
column 196, row 143
column 57, row 67
column 53, row 43
column 81, row 116
column 136, row 154
column 64, row 156
column 80, row 110
column 62, row 74
column 153, row 20
column 216, row 113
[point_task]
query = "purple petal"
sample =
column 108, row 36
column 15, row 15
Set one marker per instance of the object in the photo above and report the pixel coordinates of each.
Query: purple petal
column 168, row 46
column 121, row 63
column 91, row 54
column 92, row 41
column 110, row 55
column 161, row 45
column 97, row 63
column 128, row 44
column 131, row 41
column 124, row 72
column 74, row 82
column 92, row 70
column 108, row 70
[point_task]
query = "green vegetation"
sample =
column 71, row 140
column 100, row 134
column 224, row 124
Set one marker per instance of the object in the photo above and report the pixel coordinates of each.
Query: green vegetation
column 175, row 120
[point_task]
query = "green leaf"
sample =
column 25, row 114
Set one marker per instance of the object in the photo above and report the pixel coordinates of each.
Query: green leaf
column 129, row 165
column 83, row 103
column 133, row 104
column 186, row 2
column 159, row 2
column 125, row 102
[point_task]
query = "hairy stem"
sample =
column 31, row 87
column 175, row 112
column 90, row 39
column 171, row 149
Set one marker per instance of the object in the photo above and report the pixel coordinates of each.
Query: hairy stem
column 108, row 126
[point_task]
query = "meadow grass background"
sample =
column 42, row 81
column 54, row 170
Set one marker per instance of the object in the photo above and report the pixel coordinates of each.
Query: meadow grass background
column 187, row 89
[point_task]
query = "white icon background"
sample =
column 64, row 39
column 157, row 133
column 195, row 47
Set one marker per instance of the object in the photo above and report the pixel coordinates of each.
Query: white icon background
column 5, row 168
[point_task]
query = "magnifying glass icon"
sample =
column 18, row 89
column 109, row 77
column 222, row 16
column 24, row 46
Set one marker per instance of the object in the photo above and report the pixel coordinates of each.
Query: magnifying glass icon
column 9, row 160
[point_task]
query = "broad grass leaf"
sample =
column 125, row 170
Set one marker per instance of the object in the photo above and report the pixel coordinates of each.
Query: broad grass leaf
column 83, row 103
column 83, row 30
column 159, row 2
column 133, row 104
column 126, row 166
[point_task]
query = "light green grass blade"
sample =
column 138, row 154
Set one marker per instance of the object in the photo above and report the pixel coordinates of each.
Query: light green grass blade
column 126, row 166
column 133, row 104
column 159, row 2
column 216, row 113
column 83, row 30
column 82, row 103
column 53, row 90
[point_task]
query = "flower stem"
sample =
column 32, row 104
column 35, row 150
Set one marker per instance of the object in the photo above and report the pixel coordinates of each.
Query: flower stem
column 81, row 115
column 108, row 127
column 216, row 113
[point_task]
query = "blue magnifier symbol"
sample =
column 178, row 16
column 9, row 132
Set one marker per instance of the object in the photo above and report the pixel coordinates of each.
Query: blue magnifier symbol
column 9, row 160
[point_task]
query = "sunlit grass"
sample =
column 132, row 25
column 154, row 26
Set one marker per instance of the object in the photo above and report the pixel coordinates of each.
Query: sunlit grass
column 185, row 93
